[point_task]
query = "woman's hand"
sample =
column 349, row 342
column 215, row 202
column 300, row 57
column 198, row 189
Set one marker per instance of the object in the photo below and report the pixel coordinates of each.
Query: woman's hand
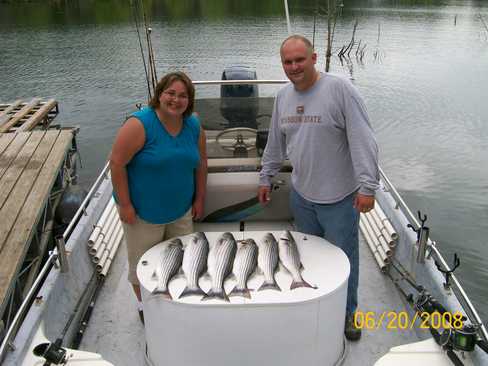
column 197, row 209
column 127, row 214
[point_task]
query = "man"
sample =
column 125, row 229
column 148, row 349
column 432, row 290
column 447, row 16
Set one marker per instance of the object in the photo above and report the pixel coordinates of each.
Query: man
column 320, row 124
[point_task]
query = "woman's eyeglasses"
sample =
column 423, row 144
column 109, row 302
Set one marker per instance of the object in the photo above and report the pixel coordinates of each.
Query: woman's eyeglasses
column 172, row 94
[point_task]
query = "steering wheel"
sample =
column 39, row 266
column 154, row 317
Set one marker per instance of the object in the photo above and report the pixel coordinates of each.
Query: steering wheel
column 242, row 138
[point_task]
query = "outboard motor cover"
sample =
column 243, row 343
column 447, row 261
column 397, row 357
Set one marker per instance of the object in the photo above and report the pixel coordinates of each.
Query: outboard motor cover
column 239, row 103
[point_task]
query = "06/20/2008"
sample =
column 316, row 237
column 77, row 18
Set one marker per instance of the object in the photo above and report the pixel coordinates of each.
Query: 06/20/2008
column 394, row 320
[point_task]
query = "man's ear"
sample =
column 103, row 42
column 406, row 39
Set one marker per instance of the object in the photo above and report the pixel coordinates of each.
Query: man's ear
column 314, row 57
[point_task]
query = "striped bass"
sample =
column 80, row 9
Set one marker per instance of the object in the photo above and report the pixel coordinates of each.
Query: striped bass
column 220, row 261
column 194, row 264
column 244, row 265
column 290, row 258
column 268, row 258
column 171, row 258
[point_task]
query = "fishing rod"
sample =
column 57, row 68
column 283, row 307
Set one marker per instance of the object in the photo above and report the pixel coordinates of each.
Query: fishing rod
column 287, row 13
column 135, row 12
column 435, row 334
column 463, row 337
column 53, row 352
column 151, row 62
column 75, row 344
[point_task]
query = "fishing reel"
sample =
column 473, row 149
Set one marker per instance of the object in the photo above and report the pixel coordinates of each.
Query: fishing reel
column 464, row 339
column 53, row 353
column 426, row 303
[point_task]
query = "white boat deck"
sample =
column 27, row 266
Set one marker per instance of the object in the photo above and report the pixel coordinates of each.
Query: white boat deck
column 116, row 332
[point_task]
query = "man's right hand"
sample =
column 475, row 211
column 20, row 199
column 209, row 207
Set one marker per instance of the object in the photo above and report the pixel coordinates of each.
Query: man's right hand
column 264, row 194
column 127, row 214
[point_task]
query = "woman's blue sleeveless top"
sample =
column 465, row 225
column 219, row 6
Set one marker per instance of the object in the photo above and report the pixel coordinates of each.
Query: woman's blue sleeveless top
column 161, row 175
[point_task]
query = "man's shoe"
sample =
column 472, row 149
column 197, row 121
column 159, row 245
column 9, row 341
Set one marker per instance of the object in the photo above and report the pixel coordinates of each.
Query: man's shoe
column 141, row 316
column 351, row 332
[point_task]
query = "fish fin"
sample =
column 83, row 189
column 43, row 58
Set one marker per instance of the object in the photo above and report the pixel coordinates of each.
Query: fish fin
column 244, row 292
column 269, row 286
column 302, row 283
column 216, row 294
column 197, row 291
column 165, row 293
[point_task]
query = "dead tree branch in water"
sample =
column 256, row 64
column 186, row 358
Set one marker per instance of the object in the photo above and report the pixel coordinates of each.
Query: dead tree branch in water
column 331, row 26
column 352, row 38
column 377, row 52
column 345, row 51
column 483, row 22
column 362, row 52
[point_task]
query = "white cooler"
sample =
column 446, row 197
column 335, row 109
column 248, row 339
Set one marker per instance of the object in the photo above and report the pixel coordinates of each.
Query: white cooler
column 303, row 326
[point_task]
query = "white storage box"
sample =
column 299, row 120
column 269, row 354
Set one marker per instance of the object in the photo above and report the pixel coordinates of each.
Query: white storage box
column 303, row 326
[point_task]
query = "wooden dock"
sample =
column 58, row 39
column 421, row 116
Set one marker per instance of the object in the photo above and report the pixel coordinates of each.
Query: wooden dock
column 30, row 163
column 21, row 116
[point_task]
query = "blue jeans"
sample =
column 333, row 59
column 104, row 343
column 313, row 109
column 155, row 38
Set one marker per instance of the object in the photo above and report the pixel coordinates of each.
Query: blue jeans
column 338, row 223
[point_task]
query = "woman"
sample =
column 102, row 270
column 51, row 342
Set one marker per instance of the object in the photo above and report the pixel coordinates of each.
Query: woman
column 159, row 168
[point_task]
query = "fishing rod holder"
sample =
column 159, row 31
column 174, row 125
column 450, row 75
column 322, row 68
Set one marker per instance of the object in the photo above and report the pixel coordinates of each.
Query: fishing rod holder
column 53, row 353
column 448, row 272
column 422, row 237
column 62, row 257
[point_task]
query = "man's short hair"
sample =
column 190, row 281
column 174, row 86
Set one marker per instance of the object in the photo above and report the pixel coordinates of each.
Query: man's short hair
column 298, row 37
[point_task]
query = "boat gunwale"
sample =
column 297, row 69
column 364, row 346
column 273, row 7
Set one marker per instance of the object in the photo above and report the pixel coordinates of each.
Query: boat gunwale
column 432, row 248
column 93, row 203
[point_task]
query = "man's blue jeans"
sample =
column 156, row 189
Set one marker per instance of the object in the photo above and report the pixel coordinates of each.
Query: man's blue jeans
column 338, row 223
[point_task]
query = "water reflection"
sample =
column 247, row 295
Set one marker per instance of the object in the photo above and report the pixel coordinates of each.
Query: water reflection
column 57, row 12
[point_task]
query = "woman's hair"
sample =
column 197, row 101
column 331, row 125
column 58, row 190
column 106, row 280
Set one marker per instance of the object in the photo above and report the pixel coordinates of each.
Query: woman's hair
column 165, row 83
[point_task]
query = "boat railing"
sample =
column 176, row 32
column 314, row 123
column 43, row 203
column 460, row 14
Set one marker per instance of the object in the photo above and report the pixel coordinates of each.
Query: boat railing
column 52, row 259
column 461, row 294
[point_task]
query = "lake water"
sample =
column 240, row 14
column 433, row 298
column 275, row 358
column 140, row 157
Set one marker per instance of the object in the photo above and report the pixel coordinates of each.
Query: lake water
column 425, row 90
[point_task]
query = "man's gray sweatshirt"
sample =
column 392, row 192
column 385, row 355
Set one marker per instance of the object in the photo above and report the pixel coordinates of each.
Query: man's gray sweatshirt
column 325, row 133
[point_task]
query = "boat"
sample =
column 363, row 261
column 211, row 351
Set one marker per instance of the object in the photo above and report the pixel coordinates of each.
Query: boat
column 412, row 308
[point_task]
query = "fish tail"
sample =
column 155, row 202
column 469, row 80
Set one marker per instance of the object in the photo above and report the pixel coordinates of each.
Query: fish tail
column 163, row 292
column 239, row 291
column 269, row 285
column 192, row 291
column 301, row 283
column 216, row 293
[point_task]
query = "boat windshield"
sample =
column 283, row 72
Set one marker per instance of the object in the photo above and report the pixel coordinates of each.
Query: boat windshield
column 235, row 117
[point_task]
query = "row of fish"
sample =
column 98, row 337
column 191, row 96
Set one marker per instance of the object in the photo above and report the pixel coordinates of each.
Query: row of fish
column 228, row 256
